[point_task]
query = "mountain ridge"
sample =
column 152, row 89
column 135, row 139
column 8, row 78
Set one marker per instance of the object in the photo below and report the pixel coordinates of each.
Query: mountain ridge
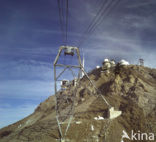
column 131, row 89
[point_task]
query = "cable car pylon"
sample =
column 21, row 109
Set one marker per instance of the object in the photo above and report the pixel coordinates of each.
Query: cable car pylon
column 65, row 99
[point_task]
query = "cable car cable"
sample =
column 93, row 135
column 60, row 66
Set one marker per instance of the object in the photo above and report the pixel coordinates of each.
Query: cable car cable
column 61, row 18
column 95, row 18
column 90, row 25
column 107, row 14
column 67, row 10
column 108, row 10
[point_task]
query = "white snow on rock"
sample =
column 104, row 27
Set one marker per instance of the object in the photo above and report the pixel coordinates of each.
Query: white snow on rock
column 78, row 122
column 92, row 127
column 99, row 118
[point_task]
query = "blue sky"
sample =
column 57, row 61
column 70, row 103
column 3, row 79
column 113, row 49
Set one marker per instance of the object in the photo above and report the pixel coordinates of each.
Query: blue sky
column 30, row 36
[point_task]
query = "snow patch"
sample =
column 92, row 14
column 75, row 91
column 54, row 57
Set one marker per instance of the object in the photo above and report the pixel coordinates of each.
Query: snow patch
column 92, row 127
column 78, row 122
column 99, row 118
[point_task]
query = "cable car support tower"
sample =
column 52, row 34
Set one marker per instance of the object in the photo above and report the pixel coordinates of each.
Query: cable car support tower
column 64, row 100
column 67, row 101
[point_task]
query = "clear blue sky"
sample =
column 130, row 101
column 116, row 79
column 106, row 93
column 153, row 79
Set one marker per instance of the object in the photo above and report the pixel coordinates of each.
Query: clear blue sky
column 30, row 36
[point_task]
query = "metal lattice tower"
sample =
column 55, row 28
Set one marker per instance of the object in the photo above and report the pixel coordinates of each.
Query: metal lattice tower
column 141, row 62
column 67, row 102
column 64, row 100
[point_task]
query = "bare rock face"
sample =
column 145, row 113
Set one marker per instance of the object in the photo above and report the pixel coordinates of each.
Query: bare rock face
column 130, row 89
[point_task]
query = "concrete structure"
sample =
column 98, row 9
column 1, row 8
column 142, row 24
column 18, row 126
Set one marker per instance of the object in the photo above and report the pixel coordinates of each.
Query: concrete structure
column 123, row 62
column 97, row 67
column 112, row 62
column 113, row 113
column 64, row 84
column 106, row 64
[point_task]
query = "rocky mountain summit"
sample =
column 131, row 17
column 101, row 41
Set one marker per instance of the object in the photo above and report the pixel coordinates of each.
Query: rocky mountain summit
column 130, row 89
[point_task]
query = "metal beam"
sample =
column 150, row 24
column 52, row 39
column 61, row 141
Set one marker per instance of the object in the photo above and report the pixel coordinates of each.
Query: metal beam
column 72, row 72
column 96, row 88
column 72, row 66
column 61, row 73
